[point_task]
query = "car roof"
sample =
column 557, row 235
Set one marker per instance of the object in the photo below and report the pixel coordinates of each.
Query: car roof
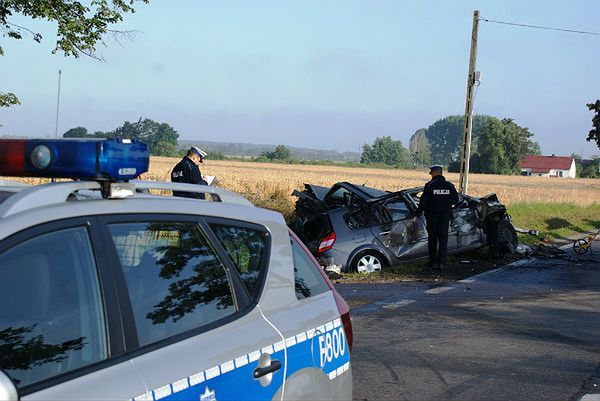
column 51, row 201
column 369, row 194
column 361, row 190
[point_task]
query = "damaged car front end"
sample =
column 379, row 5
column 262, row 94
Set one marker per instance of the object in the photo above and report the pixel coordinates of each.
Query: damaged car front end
column 358, row 228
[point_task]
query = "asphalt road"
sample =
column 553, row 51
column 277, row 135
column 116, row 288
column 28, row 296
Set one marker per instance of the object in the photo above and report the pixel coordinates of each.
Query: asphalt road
column 525, row 332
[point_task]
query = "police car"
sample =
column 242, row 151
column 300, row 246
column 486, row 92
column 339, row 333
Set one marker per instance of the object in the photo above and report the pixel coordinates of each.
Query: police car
column 110, row 292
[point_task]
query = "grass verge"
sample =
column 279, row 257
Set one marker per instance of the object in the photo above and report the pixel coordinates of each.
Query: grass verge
column 559, row 222
column 458, row 267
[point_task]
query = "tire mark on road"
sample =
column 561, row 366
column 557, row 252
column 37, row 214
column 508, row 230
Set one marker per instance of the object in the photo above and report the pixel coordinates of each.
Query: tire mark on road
column 431, row 367
column 536, row 332
column 499, row 372
column 392, row 371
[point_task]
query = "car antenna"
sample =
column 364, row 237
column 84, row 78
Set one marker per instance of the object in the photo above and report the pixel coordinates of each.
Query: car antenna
column 365, row 183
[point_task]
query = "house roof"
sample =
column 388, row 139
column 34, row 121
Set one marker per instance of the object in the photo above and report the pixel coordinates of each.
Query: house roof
column 543, row 164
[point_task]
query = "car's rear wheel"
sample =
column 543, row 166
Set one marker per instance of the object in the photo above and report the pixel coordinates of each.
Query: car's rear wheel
column 367, row 262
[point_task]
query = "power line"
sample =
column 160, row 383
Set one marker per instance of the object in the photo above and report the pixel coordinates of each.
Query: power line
column 541, row 27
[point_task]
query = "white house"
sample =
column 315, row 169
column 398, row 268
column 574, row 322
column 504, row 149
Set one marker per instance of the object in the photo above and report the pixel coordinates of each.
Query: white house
column 548, row 166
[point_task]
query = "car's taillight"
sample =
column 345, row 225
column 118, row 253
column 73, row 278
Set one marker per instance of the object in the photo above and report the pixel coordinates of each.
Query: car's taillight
column 327, row 242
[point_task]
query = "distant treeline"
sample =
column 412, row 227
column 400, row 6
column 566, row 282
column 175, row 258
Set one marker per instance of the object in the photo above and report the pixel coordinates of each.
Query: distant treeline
column 256, row 150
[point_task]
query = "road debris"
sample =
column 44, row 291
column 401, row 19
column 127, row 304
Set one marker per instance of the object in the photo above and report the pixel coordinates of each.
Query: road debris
column 544, row 250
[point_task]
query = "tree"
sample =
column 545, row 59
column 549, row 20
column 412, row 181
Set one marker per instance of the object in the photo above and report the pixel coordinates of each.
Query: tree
column 212, row 155
column 77, row 132
column 79, row 27
column 502, row 144
column 419, row 148
column 385, row 150
column 445, row 137
column 281, row 152
column 594, row 134
column 591, row 170
column 160, row 137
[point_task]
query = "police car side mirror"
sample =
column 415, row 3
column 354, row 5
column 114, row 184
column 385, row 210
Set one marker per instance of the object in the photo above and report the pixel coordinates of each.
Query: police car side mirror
column 8, row 391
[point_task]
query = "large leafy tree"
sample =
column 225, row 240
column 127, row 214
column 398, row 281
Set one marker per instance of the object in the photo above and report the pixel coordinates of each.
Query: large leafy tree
column 81, row 26
column 419, row 148
column 591, row 170
column 502, row 143
column 445, row 137
column 281, row 152
column 77, row 132
column 385, row 150
column 594, row 134
column 160, row 137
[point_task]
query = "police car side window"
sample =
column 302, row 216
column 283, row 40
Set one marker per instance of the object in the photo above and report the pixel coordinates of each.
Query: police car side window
column 176, row 281
column 51, row 314
column 308, row 279
column 247, row 249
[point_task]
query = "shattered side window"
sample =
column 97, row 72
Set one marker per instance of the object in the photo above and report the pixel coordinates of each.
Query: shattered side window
column 398, row 211
column 339, row 197
column 380, row 215
column 357, row 219
column 416, row 197
column 392, row 211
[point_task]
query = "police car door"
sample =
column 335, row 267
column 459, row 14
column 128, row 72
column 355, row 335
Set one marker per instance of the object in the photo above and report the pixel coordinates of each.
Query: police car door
column 59, row 328
column 192, row 284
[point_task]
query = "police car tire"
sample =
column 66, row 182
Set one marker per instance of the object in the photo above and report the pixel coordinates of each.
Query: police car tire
column 368, row 253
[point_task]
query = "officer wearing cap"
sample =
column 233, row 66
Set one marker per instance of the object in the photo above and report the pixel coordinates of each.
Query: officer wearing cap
column 187, row 171
column 436, row 202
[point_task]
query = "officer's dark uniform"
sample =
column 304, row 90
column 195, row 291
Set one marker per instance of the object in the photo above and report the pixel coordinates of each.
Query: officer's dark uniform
column 437, row 200
column 187, row 171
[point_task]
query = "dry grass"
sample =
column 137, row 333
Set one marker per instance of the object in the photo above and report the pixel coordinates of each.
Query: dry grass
column 270, row 185
column 256, row 180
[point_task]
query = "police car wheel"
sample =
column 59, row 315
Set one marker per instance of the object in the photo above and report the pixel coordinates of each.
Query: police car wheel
column 367, row 262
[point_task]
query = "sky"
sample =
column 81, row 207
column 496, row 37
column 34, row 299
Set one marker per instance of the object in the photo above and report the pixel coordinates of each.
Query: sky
column 318, row 74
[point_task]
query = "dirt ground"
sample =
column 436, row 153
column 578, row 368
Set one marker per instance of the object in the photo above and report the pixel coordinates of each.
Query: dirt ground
column 458, row 267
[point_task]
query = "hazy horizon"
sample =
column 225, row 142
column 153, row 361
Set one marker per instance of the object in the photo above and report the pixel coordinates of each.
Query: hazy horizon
column 317, row 75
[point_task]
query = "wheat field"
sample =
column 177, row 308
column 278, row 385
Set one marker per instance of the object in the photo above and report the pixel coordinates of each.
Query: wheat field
column 270, row 185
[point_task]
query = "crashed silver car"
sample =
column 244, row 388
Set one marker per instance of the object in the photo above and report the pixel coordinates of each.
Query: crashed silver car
column 362, row 229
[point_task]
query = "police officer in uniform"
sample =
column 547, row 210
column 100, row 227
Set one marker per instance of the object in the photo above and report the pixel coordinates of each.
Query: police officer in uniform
column 436, row 202
column 187, row 171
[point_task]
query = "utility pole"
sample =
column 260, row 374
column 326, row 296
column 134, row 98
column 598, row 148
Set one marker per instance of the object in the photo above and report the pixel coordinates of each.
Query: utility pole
column 465, row 153
column 57, row 106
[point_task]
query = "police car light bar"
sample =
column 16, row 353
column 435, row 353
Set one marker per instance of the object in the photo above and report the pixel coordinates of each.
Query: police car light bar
column 86, row 159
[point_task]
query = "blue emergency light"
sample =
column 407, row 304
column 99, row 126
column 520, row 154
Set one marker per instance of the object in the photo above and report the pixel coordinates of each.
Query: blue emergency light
column 86, row 159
